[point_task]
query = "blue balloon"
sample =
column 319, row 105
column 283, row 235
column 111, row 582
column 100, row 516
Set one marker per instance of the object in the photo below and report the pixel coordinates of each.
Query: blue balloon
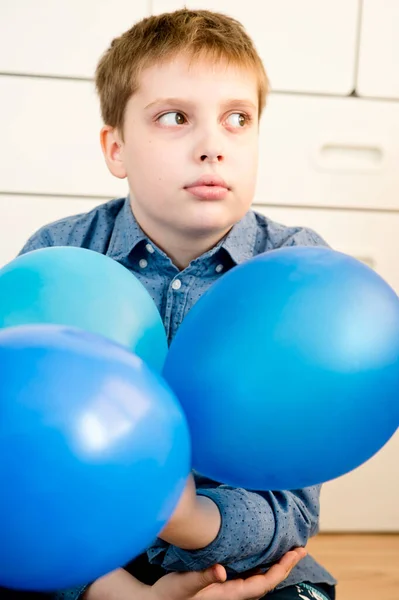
column 288, row 369
column 84, row 289
column 94, row 455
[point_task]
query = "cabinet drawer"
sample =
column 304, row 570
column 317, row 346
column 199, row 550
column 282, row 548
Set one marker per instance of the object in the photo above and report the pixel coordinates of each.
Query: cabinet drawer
column 336, row 152
column 63, row 38
column 50, row 139
column 307, row 46
column 378, row 72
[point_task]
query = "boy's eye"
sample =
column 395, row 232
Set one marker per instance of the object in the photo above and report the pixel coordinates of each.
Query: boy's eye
column 172, row 118
column 237, row 120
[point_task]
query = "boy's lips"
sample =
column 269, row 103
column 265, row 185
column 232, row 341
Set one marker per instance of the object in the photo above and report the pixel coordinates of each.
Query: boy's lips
column 208, row 187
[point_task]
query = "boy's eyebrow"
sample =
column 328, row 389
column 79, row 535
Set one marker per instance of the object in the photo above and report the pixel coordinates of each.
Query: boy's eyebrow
column 172, row 101
column 238, row 103
column 235, row 102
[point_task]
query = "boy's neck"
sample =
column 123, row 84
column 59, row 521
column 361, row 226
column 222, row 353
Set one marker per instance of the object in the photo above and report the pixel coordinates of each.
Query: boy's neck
column 181, row 249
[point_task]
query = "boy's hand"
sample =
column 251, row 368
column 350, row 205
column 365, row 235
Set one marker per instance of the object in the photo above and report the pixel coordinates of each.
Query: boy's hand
column 211, row 584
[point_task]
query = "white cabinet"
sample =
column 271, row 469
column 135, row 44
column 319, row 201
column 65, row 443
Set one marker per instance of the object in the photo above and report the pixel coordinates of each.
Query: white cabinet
column 21, row 216
column 50, row 139
column 367, row 499
column 307, row 46
column 332, row 152
column 62, row 37
column 378, row 74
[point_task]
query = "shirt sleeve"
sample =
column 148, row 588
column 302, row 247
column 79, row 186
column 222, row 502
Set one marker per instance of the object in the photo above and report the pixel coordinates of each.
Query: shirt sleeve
column 40, row 239
column 71, row 594
column 257, row 529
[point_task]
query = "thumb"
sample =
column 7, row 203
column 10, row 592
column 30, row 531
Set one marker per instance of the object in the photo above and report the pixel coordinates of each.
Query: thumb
column 195, row 581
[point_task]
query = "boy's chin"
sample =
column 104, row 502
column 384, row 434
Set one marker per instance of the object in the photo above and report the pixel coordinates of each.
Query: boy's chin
column 207, row 228
column 211, row 222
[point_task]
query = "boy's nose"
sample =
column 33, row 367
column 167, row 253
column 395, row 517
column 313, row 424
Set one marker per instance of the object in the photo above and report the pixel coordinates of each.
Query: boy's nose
column 209, row 146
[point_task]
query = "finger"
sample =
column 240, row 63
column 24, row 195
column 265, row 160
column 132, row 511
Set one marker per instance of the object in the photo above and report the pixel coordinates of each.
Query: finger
column 193, row 582
column 292, row 558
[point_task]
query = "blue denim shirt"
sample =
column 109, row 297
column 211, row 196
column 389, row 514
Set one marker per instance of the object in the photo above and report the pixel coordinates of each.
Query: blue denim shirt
column 257, row 527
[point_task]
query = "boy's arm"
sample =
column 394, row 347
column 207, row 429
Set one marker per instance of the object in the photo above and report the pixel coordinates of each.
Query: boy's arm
column 257, row 528
column 195, row 522
column 242, row 530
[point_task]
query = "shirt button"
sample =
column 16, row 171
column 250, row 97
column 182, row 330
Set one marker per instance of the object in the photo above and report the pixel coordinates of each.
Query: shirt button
column 150, row 249
column 176, row 285
column 143, row 263
column 219, row 269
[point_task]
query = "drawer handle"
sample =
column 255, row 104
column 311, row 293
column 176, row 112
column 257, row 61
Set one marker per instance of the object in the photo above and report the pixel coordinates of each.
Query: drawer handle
column 342, row 157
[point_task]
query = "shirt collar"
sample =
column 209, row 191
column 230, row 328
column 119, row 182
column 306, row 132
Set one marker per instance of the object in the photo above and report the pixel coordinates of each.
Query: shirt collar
column 127, row 233
column 240, row 241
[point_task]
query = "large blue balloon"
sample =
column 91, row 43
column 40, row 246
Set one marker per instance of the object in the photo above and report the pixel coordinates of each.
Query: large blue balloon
column 288, row 369
column 85, row 289
column 94, row 454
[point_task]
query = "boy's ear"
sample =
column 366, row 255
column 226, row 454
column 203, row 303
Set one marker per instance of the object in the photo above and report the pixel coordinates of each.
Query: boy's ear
column 112, row 147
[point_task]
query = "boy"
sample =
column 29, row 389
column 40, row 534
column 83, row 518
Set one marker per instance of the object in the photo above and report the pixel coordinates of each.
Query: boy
column 181, row 97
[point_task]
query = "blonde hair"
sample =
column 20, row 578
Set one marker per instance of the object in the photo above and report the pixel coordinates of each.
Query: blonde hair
column 196, row 33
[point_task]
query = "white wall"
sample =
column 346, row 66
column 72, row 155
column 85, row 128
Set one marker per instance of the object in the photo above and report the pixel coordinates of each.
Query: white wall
column 329, row 144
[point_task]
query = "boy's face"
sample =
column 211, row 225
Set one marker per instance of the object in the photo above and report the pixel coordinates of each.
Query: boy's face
column 186, row 122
